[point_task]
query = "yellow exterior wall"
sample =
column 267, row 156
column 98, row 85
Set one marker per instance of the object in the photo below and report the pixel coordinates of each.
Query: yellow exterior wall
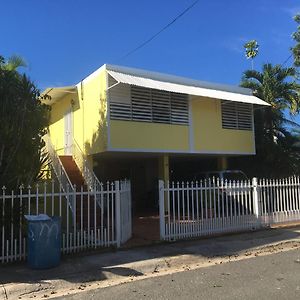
column 90, row 129
column 148, row 136
column 90, row 123
column 88, row 116
column 210, row 137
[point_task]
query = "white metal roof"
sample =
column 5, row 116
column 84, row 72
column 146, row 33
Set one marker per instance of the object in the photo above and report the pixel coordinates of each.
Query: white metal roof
column 176, row 79
column 176, row 87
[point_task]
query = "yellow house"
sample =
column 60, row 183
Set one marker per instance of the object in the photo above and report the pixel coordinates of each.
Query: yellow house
column 131, row 123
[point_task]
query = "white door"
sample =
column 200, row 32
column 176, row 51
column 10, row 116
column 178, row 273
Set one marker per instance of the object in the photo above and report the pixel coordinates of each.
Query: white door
column 68, row 141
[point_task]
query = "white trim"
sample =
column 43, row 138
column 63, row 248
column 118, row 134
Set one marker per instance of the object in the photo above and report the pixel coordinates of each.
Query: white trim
column 108, row 88
column 92, row 75
column 191, row 128
column 253, row 130
column 107, row 112
column 135, row 150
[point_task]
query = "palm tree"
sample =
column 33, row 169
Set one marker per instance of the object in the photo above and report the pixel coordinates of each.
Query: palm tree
column 296, row 37
column 277, row 154
column 277, row 86
column 12, row 63
column 251, row 50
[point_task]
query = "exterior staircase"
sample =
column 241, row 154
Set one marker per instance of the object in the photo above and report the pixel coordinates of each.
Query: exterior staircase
column 77, row 180
column 73, row 171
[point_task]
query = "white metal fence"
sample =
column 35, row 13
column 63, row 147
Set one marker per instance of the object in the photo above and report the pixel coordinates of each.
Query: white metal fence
column 95, row 219
column 279, row 200
column 207, row 207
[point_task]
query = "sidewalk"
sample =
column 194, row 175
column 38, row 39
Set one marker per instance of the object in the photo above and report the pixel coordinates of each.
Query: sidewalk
column 109, row 268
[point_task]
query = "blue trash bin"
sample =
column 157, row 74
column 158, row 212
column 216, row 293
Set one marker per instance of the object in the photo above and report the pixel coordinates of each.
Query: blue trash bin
column 43, row 241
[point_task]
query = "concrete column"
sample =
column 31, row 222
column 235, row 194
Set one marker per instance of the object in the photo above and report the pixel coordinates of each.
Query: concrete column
column 222, row 163
column 164, row 174
column 163, row 167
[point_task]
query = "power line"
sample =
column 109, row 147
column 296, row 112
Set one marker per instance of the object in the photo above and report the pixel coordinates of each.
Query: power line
column 160, row 31
column 287, row 59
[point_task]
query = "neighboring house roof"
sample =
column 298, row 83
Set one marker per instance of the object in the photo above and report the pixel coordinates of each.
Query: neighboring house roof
column 171, row 83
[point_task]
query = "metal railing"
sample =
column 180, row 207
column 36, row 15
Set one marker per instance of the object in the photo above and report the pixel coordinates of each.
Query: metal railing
column 85, row 168
column 58, row 168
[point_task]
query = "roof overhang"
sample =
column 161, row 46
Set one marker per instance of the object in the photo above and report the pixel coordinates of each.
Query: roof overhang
column 51, row 95
column 176, row 87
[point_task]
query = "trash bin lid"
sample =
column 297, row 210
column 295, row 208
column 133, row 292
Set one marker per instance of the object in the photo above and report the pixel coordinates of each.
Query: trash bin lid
column 40, row 217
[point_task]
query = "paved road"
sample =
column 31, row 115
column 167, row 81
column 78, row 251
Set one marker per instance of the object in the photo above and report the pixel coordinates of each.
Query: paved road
column 275, row 276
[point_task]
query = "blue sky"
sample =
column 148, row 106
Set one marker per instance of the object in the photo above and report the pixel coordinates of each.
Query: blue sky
column 65, row 40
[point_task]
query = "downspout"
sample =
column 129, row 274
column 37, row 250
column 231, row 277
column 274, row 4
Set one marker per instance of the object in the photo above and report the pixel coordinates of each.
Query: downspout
column 83, row 125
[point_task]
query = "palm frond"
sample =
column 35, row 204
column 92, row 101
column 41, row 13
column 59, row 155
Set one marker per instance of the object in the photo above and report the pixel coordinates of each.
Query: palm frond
column 15, row 62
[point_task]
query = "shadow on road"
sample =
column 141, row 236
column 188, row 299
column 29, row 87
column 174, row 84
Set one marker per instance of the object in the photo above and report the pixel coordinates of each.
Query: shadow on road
column 129, row 262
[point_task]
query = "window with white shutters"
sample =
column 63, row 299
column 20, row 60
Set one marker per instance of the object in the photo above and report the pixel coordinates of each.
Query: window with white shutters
column 236, row 115
column 120, row 102
column 148, row 105
column 141, row 104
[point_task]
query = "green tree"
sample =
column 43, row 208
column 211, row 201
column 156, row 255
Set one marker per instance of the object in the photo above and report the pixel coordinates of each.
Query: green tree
column 24, row 120
column 277, row 153
column 296, row 48
column 251, row 50
column 277, row 86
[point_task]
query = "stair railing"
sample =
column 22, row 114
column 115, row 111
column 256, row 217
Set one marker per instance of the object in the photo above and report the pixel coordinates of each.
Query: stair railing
column 85, row 168
column 60, row 171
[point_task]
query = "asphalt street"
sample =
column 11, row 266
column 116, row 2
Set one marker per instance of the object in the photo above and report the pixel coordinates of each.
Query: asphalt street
column 275, row 276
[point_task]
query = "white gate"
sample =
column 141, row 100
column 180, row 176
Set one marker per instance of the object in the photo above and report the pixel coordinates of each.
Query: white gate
column 125, row 212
